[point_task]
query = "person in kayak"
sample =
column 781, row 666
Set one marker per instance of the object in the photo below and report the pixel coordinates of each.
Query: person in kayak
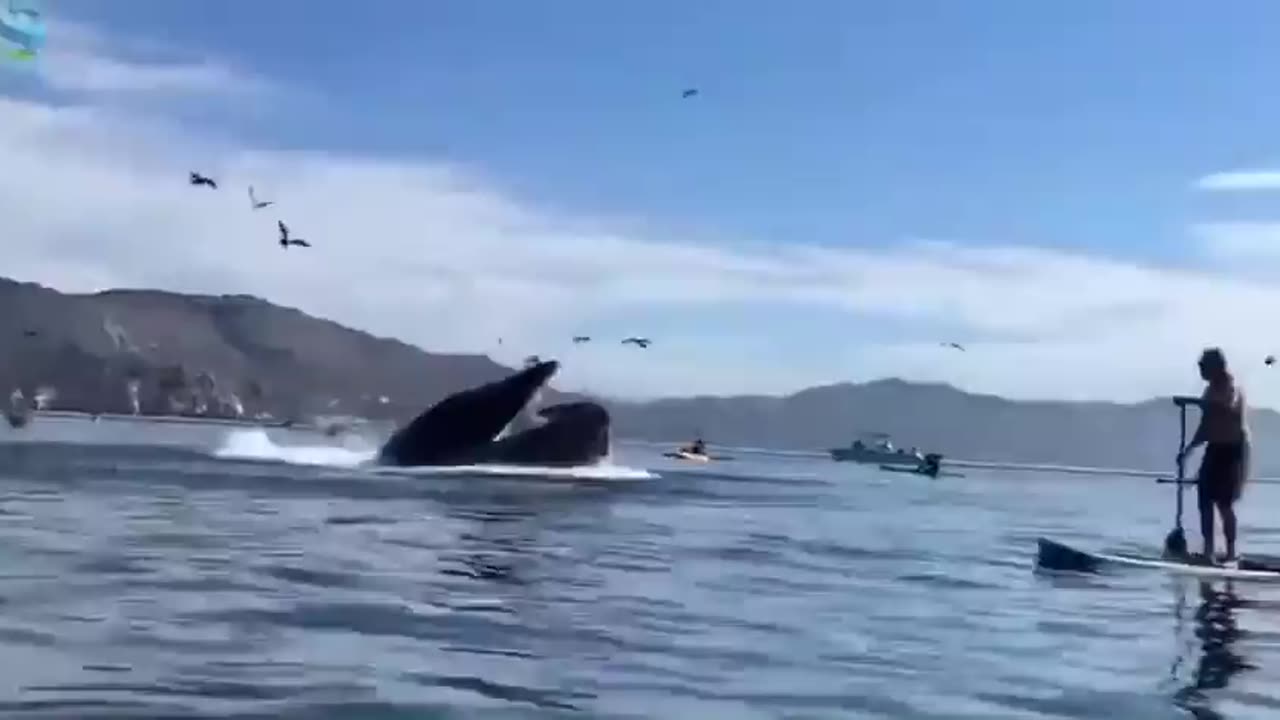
column 1224, row 466
column 697, row 448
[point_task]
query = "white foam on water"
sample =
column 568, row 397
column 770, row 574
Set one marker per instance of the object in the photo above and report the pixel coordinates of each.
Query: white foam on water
column 255, row 444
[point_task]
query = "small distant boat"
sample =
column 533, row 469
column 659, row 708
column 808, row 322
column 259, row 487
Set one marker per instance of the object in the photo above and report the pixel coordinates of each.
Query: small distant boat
column 695, row 452
column 931, row 466
column 877, row 450
column 917, row 471
column 686, row 455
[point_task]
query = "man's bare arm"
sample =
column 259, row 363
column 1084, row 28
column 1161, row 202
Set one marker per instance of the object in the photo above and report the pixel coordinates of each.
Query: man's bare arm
column 1202, row 429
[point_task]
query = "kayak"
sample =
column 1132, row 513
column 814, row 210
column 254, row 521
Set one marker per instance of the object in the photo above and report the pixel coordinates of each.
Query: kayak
column 1052, row 555
column 915, row 471
column 695, row 457
column 682, row 455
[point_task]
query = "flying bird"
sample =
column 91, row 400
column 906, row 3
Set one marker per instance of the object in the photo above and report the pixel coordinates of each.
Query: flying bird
column 957, row 346
column 581, row 338
column 286, row 241
column 256, row 203
column 689, row 93
column 640, row 342
column 1271, row 360
column 198, row 179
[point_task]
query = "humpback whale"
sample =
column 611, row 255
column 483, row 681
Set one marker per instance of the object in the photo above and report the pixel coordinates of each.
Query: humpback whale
column 461, row 429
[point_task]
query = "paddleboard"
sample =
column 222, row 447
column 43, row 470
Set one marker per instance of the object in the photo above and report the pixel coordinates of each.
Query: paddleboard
column 1056, row 556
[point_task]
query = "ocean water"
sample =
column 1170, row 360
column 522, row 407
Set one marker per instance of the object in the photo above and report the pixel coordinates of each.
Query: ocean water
column 165, row 571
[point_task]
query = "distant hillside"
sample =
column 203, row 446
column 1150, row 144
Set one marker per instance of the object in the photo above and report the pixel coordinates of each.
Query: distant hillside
column 192, row 353
column 196, row 354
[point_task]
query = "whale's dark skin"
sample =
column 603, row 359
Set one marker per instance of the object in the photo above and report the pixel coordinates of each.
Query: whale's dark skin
column 460, row 429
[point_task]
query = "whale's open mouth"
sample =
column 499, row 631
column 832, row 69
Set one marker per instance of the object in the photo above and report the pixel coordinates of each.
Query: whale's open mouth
column 571, row 433
column 464, row 428
column 454, row 427
column 531, row 415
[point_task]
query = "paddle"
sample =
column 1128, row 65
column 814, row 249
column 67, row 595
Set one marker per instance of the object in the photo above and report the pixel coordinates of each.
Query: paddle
column 1175, row 543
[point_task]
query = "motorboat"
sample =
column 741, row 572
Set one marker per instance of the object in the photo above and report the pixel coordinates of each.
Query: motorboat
column 877, row 449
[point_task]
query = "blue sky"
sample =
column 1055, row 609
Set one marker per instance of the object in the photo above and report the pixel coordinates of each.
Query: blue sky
column 1073, row 125
column 1079, row 129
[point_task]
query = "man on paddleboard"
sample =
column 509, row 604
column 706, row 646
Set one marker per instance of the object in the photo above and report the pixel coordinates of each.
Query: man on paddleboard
column 1225, row 435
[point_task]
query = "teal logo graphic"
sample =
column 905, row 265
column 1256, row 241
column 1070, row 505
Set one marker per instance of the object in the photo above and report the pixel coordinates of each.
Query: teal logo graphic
column 21, row 29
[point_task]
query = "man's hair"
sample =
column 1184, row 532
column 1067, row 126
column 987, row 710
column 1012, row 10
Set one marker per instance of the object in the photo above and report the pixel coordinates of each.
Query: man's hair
column 1214, row 358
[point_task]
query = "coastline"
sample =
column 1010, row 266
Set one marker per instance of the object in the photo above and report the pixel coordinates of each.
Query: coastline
column 196, row 419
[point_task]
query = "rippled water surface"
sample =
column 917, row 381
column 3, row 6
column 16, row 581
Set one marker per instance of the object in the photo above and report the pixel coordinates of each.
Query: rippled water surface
column 167, row 582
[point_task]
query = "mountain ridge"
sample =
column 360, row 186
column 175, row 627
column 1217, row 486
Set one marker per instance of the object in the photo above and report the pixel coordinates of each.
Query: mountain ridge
column 224, row 355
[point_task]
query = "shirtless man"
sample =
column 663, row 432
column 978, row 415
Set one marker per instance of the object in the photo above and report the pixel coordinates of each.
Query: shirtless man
column 1225, row 465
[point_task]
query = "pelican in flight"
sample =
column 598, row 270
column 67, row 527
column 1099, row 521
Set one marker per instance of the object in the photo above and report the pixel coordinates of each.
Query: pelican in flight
column 286, row 241
column 256, row 203
column 640, row 342
column 581, row 339
column 198, row 179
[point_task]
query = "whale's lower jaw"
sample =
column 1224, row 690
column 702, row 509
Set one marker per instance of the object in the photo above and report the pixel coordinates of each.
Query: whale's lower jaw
column 579, row 437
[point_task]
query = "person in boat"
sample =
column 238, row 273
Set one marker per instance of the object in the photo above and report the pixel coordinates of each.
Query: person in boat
column 1224, row 466
column 697, row 448
column 19, row 410
column 930, row 465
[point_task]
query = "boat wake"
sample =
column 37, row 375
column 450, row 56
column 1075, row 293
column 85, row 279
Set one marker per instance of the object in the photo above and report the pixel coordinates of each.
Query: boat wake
column 255, row 445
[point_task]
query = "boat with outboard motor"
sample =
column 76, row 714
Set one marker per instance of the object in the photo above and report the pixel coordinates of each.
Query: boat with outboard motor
column 877, row 449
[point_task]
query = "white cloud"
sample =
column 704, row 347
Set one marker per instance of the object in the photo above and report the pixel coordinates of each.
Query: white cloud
column 1241, row 180
column 1247, row 242
column 94, row 198
column 80, row 59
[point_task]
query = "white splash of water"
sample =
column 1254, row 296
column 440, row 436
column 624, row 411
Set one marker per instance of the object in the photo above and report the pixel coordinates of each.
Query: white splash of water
column 255, row 444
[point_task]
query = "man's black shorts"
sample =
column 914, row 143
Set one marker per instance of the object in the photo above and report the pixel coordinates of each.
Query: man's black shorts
column 1220, row 473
